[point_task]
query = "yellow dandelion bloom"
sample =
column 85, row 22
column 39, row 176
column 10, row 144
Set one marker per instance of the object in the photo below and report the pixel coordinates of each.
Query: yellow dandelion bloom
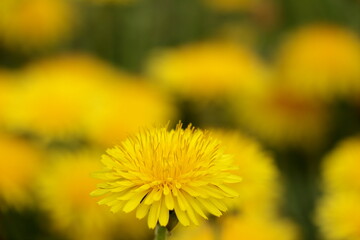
column 125, row 107
column 55, row 94
column 283, row 109
column 157, row 171
column 34, row 23
column 340, row 169
column 19, row 165
column 338, row 216
column 247, row 227
column 67, row 181
column 260, row 188
column 207, row 70
column 321, row 61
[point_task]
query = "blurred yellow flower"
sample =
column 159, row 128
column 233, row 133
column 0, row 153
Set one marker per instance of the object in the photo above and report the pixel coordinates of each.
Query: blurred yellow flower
column 207, row 70
column 19, row 165
column 321, row 61
column 340, row 168
column 34, row 23
column 238, row 227
column 157, row 171
column 64, row 189
column 284, row 118
column 55, row 95
column 338, row 216
column 127, row 106
column 260, row 188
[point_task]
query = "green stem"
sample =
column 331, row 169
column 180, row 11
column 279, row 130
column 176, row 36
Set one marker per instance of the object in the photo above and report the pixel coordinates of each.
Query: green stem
column 160, row 233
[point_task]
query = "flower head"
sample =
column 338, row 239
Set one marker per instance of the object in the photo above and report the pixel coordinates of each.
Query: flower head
column 340, row 168
column 157, row 171
column 338, row 216
column 207, row 70
column 36, row 23
column 56, row 94
column 321, row 61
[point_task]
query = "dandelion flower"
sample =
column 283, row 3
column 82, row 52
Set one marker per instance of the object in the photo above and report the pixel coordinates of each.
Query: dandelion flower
column 54, row 95
column 207, row 70
column 321, row 61
column 33, row 24
column 19, row 165
column 340, row 168
column 157, row 171
column 338, row 216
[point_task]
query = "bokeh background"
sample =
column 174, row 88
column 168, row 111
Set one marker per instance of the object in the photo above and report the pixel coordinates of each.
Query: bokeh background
column 278, row 81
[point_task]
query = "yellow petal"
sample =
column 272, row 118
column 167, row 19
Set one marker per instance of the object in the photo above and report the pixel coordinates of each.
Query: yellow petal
column 181, row 215
column 210, row 207
column 175, row 191
column 166, row 190
column 157, row 195
column 164, row 214
column 154, row 214
column 142, row 210
column 99, row 192
column 149, row 199
column 134, row 202
column 195, row 205
column 117, row 207
column 126, row 195
column 191, row 190
column 183, row 204
column 214, row 191
column 169, row 201
column 107, row 199
column 219, row 204
column 228, row 190
column 233, row 179
column 143, row 187
column 192, row 215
